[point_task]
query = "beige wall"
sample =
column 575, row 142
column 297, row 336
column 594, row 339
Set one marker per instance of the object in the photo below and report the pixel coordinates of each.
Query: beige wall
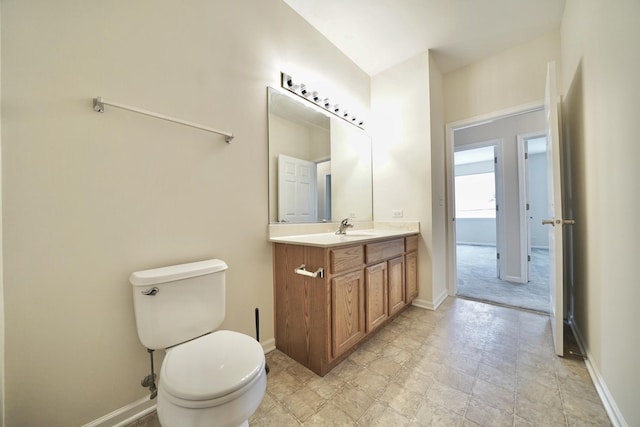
column 511, row 78
column 601, row 65
column 438, row 188
column 400, row 108
column 89, row 198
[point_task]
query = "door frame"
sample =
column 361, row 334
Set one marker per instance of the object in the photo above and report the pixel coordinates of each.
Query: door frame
column 524, row 190
column 450, row 128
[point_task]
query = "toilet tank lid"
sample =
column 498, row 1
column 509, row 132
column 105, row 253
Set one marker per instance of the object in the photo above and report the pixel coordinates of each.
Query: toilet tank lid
column 176, row 272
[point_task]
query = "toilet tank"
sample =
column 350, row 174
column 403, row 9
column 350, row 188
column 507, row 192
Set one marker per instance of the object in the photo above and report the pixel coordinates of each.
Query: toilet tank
column 177, row 303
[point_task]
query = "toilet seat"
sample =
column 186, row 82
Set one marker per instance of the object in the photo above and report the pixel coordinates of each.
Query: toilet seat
column 211, row 370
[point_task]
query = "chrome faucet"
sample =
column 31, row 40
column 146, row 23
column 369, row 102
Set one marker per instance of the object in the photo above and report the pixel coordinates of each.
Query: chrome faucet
column 344, row 224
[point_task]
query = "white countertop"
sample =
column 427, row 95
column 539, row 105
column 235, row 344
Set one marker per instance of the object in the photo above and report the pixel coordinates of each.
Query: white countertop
column 332, row 239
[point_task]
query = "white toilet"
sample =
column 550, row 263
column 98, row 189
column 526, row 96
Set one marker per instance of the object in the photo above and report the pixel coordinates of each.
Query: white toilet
column 207, row 378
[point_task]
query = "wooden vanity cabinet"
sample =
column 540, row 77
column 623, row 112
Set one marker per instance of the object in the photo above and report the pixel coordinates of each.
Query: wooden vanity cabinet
column 411, row 268
column 319, row 321
column 377, row 291
column 347, row 311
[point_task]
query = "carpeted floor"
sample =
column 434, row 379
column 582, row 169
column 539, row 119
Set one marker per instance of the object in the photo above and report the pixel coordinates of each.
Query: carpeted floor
column 477, row 279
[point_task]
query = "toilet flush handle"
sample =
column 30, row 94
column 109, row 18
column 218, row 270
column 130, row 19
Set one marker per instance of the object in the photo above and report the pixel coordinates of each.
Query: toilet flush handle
column 151, row 291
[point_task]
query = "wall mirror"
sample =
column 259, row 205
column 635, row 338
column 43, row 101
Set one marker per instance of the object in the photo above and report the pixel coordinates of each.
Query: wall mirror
column 319, row 166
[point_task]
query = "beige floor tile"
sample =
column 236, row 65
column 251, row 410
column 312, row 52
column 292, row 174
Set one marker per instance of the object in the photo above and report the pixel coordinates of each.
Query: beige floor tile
column 485, row 415
column 385, row 366
column 352, row 401
column 448, row 397
column 400, row 399
column 303, row 403
column 540, row 414
column 533, row 391
column 544, row 375
column 330, row 415
column 277, row 417
column 494, row 396
column 413, row 380
column 370, row 382
column 326, row 386
column 579, row 387
column 455, row 378
column 433, row 415
column 496, row 376
column 582, row 411
column 382, row 416
column 282, row 384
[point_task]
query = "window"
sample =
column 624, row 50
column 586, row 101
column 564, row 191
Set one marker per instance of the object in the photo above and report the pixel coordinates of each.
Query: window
column 476, row 195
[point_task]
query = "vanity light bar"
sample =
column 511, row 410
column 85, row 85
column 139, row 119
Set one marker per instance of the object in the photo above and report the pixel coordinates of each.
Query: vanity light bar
column 314, row 97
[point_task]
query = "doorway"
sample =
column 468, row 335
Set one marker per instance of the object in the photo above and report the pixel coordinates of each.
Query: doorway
column 499, row 256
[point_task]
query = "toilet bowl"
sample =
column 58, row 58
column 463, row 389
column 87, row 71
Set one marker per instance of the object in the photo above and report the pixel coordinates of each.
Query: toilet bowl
column 215, row 380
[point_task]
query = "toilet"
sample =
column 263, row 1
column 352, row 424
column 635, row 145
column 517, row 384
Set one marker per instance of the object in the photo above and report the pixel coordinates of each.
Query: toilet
column 207, row 378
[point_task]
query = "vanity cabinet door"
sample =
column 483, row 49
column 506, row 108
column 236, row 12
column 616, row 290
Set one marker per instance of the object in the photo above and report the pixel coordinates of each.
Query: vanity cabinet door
column 347, row 311
column 411, row 260
column 377, row 310
column 396, row 284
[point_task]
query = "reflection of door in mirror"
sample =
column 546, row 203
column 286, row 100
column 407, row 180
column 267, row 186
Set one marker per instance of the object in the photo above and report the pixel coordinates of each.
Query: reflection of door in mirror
column 297, row 190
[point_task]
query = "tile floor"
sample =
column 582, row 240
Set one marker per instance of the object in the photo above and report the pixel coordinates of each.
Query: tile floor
column 467, row 364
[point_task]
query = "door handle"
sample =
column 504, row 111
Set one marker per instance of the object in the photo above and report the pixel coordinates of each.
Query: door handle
column 558, row 221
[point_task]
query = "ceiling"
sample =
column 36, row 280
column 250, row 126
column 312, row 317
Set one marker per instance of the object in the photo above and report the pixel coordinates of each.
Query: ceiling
column 378, row 34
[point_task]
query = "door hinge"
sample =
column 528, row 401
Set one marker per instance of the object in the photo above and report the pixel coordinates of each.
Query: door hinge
column 528, row 207
column 497, row 208
column 498, row 255
column 526, row 156
column 495, row 160
column 529, row 258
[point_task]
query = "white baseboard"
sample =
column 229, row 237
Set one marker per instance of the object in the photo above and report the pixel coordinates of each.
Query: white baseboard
column 601, row 387
column 125, row 415
column 431, row 305
column 269, row 345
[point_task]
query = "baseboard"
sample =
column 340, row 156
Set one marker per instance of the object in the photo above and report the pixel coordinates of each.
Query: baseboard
column 515, row 279
column 125, row 415
column 269, row 345
column 615, row 416
column 431, row 305
column 476, row 244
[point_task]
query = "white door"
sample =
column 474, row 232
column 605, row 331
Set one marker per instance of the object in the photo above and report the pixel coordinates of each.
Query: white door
column 555, row 221
column 297, row 190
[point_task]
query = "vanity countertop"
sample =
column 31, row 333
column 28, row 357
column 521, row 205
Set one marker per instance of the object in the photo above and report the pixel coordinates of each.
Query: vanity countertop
column 325, row 240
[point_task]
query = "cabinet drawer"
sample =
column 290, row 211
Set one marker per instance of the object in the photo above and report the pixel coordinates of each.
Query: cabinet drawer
column 346, row 259
column 411, row 243
column 384, row 250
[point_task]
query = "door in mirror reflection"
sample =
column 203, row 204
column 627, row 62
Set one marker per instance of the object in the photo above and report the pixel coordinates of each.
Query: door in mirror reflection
column 297, row 190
